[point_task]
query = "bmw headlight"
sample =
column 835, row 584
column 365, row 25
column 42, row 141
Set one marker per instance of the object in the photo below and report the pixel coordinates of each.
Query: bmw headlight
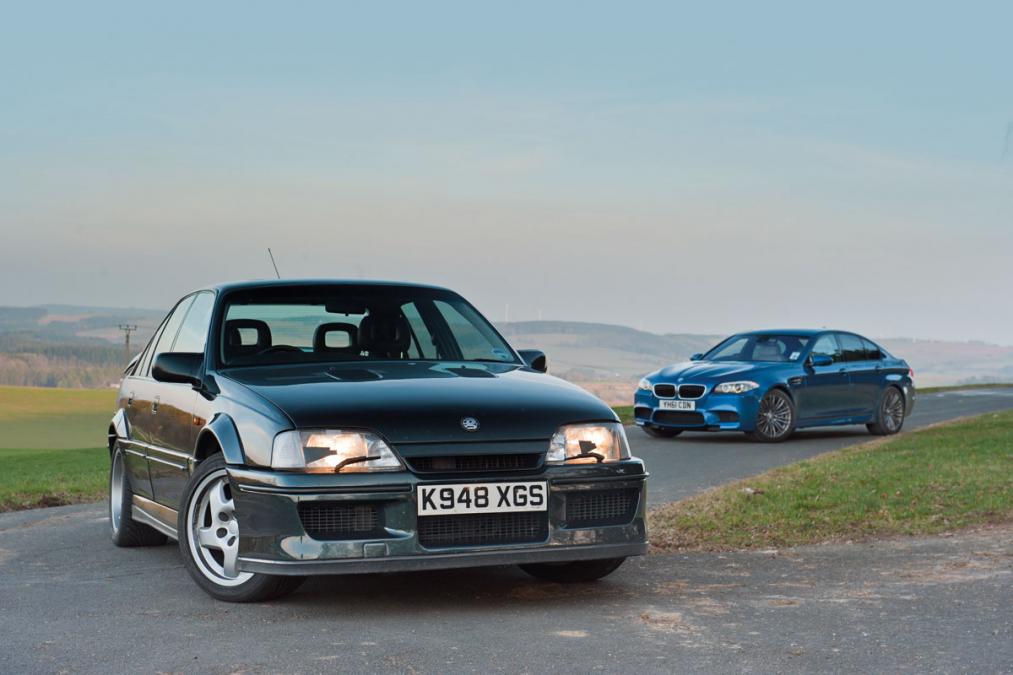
column 735, row 387
column 588, row 444
column 332, row 451
column 644, row 384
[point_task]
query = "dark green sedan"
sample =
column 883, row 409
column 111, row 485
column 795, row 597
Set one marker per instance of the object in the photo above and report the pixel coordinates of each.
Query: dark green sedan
column 290, row 428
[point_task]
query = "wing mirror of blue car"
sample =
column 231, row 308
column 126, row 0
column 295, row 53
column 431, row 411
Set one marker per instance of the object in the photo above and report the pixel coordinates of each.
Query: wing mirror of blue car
column 820, row 361
column 535, row 359
column 178, row 367
column 695, row 357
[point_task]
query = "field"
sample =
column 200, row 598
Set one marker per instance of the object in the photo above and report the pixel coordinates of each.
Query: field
column 52, row 445
column 937, row 479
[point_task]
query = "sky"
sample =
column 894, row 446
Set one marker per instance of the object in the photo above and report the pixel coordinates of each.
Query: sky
column 671, row 167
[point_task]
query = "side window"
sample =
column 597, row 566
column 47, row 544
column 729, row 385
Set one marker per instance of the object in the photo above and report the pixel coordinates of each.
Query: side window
column 827, row 345
column 422, row 346
column 872, row 352
column 852, row 347
column 169, row 331
column 193, row 334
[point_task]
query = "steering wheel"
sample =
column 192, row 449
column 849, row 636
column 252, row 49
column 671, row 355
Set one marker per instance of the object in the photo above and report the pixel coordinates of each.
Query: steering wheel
column 278, row 348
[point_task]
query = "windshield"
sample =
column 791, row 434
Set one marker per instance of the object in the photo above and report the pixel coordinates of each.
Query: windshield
column 355, row 323
column 759, row 347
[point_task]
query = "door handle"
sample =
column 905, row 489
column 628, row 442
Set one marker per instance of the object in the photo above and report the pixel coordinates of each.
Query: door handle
column 154, row 405
column 130, row 398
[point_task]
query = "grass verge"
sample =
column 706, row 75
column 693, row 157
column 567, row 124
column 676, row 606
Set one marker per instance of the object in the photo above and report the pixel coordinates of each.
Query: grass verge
column 32, row 478
column 958, row 387
column 940, row 478
column 625, row 413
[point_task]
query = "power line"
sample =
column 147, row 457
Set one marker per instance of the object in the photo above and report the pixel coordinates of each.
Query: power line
column 127, row 330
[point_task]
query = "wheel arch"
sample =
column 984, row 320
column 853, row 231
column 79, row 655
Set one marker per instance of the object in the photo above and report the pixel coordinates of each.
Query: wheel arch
column 117, row 429
column 220, row 435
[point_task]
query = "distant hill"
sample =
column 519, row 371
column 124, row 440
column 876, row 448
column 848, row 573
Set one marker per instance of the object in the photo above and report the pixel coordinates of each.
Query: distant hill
column 71, row 346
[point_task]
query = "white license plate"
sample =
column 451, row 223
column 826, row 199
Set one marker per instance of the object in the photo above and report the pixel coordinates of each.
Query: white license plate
column 444, row 500
column 677, row 405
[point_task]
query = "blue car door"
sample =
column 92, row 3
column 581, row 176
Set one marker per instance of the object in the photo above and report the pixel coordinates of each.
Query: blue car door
column 827, row 388
column 864, row 372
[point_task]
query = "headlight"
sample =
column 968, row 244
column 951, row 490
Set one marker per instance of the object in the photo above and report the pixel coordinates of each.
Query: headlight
column 332, row 451
column 735, row 387
column 644, row 384
column 588, row 444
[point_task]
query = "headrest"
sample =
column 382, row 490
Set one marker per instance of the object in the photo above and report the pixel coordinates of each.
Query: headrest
column 385, row 335
column 767, row 351
column 236, row 330
column 325, row 329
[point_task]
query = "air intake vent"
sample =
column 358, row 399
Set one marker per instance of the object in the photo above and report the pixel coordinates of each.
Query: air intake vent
column 341, row 520
column 483, row 529
column 679, row 418
column 601, row 507
column 474, row 463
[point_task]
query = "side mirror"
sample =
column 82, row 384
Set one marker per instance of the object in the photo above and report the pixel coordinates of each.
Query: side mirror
column 178, row 367
column 820, row 361
column 535, row 359
column 695, row 357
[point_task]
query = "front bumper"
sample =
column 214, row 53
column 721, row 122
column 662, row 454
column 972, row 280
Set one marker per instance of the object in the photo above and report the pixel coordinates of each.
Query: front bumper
column 274, row 537
column 714, row 412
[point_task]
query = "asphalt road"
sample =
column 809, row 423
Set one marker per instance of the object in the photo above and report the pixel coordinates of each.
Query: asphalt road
column 71, row 602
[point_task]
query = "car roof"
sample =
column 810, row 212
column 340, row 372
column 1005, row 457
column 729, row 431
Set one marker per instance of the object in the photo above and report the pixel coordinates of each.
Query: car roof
column 297, row 283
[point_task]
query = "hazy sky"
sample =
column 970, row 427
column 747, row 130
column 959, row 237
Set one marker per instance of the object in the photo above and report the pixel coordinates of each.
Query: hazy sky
column 674, row 168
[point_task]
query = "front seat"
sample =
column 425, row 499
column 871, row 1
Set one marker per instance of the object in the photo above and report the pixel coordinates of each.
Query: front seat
column 767, row 351
column 236, row 329
column 324, row 329
column 385, row 336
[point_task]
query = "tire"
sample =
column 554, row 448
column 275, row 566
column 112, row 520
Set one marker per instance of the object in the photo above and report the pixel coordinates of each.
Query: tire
column 124, row 529
column 578, row 572
column 889, row 414
column 661, row 432
column 775, row 418
column 208, row 515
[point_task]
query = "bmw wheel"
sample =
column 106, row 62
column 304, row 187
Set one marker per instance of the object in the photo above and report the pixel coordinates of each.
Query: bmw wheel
column 124, row 529
column 209, row 540
column 890, row 416
column 775, row 418
column 661, row 432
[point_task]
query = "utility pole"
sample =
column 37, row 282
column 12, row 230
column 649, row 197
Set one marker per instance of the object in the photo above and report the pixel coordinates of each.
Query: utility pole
column 127, row 330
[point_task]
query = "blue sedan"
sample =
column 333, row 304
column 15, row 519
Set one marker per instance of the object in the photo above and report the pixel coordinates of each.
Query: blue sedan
column 769, row 383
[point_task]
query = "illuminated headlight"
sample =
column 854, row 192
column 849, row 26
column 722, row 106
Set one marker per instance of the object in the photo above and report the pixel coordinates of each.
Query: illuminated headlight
column 644, row 384
column 332, row 451
column 735, row 387
column 588, row 444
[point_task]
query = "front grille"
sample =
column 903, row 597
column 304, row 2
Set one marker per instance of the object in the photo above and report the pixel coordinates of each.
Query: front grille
column 643, row 413
column 691, row 390
column 679, row 417
column 727, row 416
column 483, row 529
column 341, row 520
column 475, row 463
column 664, row 390
column 601, row 507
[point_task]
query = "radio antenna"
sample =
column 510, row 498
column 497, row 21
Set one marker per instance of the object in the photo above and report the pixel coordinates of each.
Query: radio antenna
column 278, row 274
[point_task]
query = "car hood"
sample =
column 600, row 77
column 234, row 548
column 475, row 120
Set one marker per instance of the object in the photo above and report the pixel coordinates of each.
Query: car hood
column 704, row 372
column 419, row 402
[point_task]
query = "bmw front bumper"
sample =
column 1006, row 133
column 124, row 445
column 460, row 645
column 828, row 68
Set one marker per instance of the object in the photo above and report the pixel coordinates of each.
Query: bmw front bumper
column 302, row 524
column 712, row 412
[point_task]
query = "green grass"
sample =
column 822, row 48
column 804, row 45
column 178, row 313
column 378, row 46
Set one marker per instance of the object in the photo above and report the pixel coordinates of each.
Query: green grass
column 940, row 478
column 50, row 419
column 42, row 432
column 625, row 413
column 33, row 478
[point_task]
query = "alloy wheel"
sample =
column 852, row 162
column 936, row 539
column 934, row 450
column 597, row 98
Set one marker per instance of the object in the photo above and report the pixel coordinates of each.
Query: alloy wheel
column 892, row 413
column 213, row 531
column 774, row 417
column 116, row 479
